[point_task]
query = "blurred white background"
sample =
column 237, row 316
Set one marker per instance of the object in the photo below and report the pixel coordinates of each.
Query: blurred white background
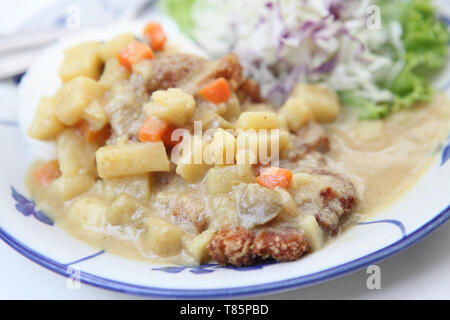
column 421, row 272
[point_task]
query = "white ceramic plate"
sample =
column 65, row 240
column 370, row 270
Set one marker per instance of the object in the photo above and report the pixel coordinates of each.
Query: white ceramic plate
column 30, row 232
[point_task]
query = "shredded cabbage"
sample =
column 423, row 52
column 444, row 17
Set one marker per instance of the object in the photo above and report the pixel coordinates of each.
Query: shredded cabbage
column 334, row 42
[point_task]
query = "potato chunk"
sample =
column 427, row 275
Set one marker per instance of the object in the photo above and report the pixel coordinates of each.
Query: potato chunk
column 88, row 212
column 323, row 102
column 131, row 159
column 313, row 233
column 74, row 96
column 123, row 208
column 111, row 48
column 289, row 206
column 172, row 105
column 45, row 125
column 232, row 108
column 95, row 115
column 75, row 155
column 198, row 246
column 212, row 121
column 296, row 113
column 261, row 146
column 113, row 73
column 222, row 179
column 223, row 147
column 162, row 237
column 191, row 165
column 258, row 120
column 67, row 188
column 144, row 68
column 300, row 179
column 81, row 60
column 138, row 186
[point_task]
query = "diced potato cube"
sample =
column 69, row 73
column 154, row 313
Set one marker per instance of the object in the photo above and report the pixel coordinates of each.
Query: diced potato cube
column 222, row 179
column 113, row 73
column 75, row 155
column 192, row 166
column 45, row 125
column 162, row 237
column 272, row 139
column 283, row 122
column 111, row 48
column 131, row 159
column 296, row 113
column 289, row 206
column 322, row 101
column 300, row 179
column 198, row 246
column 95, row 115
column 232, row 108
column 246, row 156
column 212, row 121
column 122, row 209
column 67, row 188
column 172, row 105
column 247, row 147
column 144, row 68
column 88, row 212
column 74, row 96
column 138, row 186
column 81, row 60
column 191, row 172
column 258, row 120
column 313, row 233
column 284, row 140
column 264, row 145
column 223, row 147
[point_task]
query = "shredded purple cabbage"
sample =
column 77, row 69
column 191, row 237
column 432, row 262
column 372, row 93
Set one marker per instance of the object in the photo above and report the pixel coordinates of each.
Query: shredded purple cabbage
column 287, row 73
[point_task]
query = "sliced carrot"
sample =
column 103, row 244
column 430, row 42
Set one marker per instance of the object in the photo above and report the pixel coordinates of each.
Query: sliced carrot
column 133, row 53
column 217, row 92
column 155, row 129
column 275, row 177
column 48, row 172
column 156, row 35
column 93, row 136
column 167, row 137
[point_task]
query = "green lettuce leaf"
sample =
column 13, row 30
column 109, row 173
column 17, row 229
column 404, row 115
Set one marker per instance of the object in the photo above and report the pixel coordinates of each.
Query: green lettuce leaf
column 425, row 40
column 368, row 109
column 180, row 11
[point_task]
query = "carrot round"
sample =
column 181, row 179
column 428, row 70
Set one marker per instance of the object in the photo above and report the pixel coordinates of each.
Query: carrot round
column 217, row 92
column 156, row 35
column 133, row 53
column 93, row 136
column 155, row 129
column 275, row 177
column 48, row 172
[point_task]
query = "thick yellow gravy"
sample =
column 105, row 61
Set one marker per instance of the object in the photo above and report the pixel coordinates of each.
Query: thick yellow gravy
column 382, row 158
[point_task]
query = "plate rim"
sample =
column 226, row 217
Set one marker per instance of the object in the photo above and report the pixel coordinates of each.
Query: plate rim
column 241, row 291
column 253, row 290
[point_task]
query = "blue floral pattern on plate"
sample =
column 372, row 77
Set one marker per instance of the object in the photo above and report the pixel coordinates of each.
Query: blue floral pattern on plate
column 210, row 267
column 27, row 208
column 445, row 154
